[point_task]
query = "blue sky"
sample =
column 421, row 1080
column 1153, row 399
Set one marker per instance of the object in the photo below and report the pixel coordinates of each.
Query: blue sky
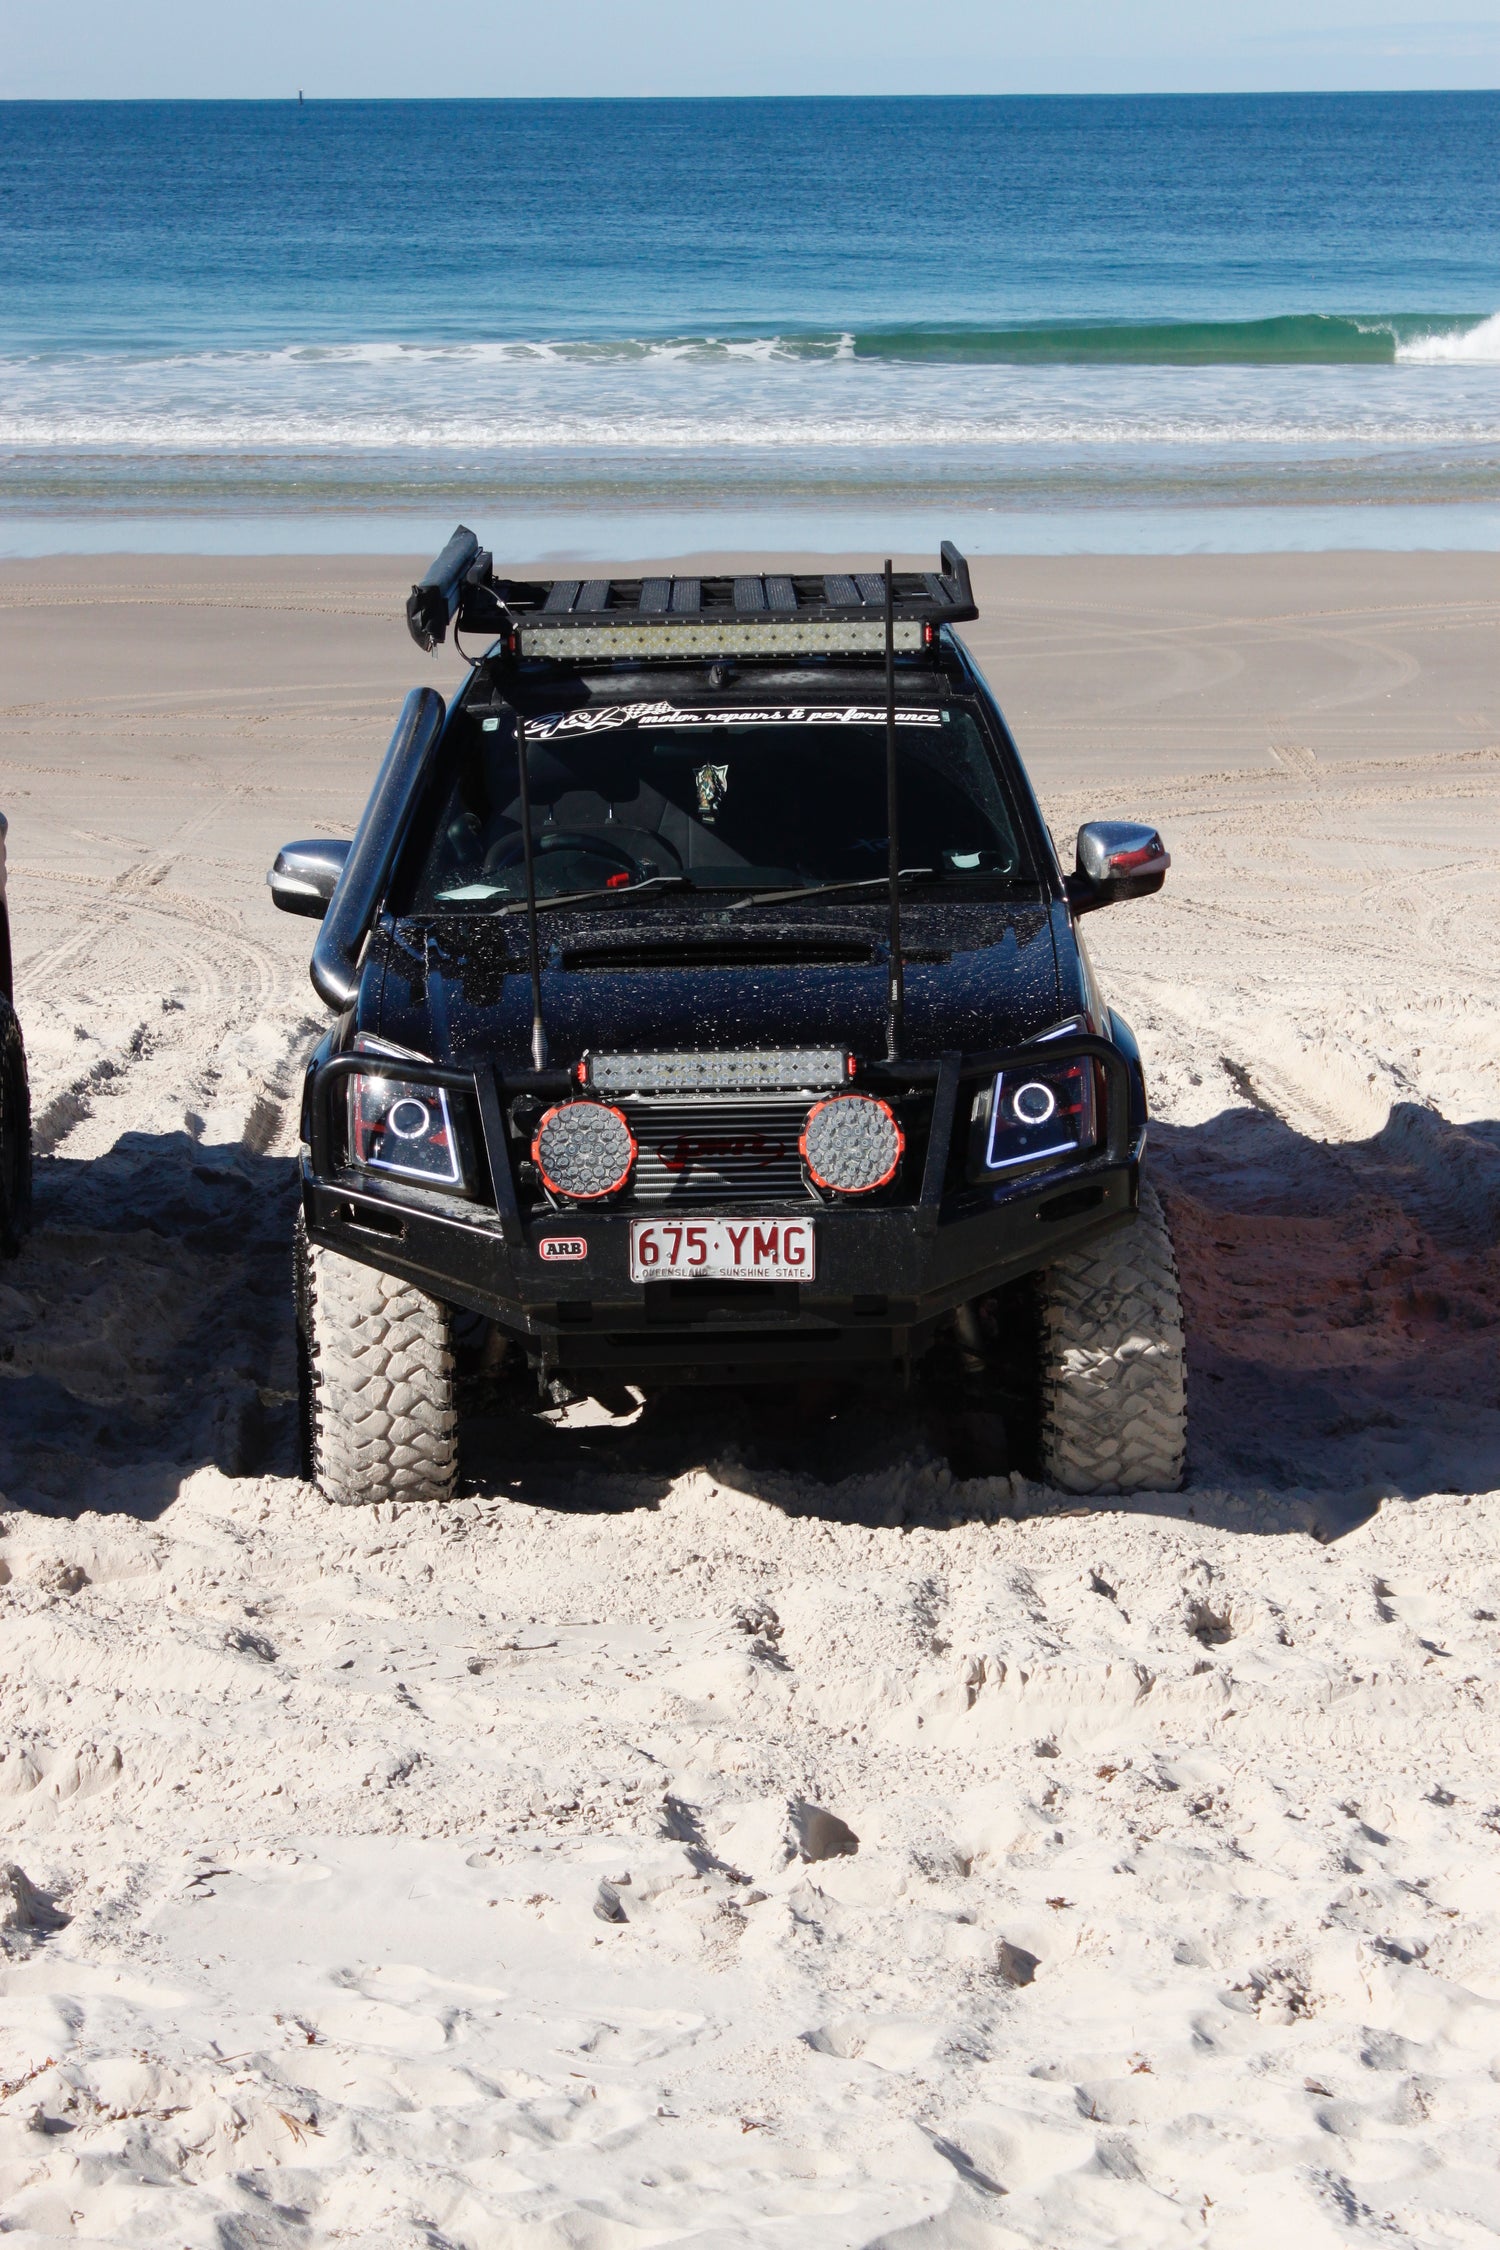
column 390, row 47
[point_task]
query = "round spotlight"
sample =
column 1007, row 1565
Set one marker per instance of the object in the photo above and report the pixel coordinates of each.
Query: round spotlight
column 1033, row 1103
column 584, row 1150
column 852, row 1144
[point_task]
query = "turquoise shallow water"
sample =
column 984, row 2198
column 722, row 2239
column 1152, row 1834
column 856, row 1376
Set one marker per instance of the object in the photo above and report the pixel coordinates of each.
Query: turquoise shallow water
column 1215, row 321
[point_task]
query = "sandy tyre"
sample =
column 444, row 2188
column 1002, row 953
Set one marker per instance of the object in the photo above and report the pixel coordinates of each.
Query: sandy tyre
column 1113, row 1375
column 377, row 1397
column 15, row 1134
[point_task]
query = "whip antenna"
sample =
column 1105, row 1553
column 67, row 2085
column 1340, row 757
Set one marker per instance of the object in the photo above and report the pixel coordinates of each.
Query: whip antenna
column 897, row 1001
column 533, row 947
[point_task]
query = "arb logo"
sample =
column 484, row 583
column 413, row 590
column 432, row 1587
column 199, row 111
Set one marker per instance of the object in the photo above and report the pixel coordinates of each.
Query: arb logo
column 562, row 1246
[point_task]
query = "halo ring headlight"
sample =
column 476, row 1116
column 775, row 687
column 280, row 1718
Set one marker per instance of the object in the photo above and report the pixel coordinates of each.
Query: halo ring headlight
column 851, row 1144
column 584, row 1150
column 407, row 1127
column 1033, row 1103
column 408, row 1118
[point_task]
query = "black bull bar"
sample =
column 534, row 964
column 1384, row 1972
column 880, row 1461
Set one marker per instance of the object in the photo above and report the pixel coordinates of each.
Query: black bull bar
column 888, row 1273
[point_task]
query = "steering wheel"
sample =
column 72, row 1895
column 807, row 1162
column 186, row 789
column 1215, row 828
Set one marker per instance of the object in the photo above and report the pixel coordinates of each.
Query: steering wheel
column 571, row 860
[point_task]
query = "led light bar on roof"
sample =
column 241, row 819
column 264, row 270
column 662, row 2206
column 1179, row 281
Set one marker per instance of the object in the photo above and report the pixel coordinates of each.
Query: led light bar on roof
column 783, row 612
column 570, row 642
column 782, row 1070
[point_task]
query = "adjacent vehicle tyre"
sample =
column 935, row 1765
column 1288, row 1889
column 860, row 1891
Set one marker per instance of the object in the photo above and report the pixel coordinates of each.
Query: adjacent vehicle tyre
column 375, row 1378
column 15, row 1134
column 1113, row 1375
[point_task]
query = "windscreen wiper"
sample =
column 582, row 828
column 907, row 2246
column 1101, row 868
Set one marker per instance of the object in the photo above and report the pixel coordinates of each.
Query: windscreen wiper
column 856, row 883
column 605, row 890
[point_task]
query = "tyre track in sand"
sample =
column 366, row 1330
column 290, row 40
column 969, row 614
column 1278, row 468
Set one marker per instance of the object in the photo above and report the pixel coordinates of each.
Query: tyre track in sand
column 138, row 890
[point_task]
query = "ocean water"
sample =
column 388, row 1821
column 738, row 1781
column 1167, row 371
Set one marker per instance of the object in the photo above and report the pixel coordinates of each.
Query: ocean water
column 1184, row 320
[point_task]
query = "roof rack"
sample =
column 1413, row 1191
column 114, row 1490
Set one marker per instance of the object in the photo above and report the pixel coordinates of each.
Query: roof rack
column 784, row 613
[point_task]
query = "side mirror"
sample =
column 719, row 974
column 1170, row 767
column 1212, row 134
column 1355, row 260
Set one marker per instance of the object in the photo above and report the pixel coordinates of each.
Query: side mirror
column 306, row 876
column 1117, row 859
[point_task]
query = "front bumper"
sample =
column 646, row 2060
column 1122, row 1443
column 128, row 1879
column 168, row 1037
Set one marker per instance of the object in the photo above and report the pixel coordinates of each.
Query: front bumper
column 888, row 1274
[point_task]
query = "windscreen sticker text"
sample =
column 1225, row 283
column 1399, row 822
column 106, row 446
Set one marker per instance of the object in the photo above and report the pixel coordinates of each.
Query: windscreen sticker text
column 608, row 716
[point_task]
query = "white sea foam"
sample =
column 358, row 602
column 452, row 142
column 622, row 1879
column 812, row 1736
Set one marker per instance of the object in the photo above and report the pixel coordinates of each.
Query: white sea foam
column 1475, row 347
column 681, row 415
column 374, row 397
column 644, row 434
column 525, row 351
column 233, row 424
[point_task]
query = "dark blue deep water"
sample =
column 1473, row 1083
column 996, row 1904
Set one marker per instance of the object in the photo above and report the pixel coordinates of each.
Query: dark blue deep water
column 994, row 304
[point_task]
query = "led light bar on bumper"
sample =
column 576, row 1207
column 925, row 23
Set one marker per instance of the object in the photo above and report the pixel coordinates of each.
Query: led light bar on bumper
column 791, row 1070
column 852, row 1144
column 1035, row 1113
column 584, row 1151
column 404, row 1126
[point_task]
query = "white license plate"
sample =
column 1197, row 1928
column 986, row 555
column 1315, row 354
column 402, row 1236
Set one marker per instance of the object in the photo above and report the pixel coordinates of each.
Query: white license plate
column 721, row 1250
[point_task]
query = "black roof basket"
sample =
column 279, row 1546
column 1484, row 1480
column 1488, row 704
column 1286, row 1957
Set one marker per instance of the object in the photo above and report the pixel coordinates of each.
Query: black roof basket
column 774, row 613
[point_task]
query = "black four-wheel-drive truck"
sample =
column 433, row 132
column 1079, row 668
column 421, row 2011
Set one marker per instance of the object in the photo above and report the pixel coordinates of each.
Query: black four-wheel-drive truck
column 711, row 1006
column 15, row 1097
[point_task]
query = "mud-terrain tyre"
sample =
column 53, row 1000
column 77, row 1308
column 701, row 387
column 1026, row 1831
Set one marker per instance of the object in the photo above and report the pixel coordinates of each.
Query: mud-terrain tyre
column 15, row 1134
column 1113, row 1375
column 375, row 1379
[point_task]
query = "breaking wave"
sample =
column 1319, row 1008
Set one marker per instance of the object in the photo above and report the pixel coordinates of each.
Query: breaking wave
column 1285, row 340
column 1474, row 346
column 1350, row 407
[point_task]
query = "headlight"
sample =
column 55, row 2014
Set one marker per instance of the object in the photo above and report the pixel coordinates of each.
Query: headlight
column 1032, row 1113
column 584, row 1150
column 852, row 1144
column 404, row 1125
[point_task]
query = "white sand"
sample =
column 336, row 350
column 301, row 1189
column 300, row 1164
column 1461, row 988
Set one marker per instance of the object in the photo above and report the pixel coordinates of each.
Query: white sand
column 472, row 1876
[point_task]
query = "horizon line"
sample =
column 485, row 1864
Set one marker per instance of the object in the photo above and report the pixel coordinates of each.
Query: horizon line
column 300, row 98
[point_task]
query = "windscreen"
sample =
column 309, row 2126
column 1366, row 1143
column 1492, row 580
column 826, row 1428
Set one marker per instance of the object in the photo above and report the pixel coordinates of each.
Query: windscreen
column 722, row 800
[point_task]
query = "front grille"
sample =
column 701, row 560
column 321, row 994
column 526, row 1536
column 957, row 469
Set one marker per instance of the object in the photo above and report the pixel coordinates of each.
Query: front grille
column 706, row 1152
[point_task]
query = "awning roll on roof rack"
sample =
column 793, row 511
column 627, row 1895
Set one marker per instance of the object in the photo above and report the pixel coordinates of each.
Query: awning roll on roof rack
column 776, row 613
